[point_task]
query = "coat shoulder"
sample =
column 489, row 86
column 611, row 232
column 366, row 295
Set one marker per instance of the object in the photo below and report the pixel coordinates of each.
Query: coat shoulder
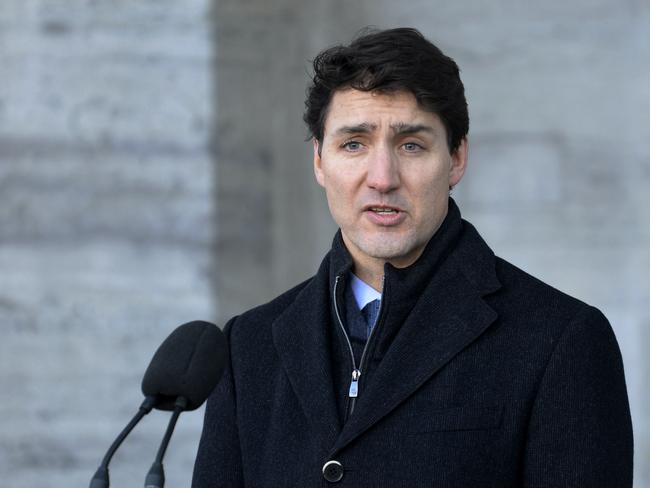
column 511, row 290
column 520, row 284
column 256, row 323
column 539, row 304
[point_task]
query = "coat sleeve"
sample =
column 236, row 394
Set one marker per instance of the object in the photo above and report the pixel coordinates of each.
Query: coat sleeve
column 218, row 461
column 580, row 431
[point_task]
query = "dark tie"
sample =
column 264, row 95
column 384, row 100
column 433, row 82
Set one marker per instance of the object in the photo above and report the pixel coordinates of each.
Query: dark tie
column 370, row 312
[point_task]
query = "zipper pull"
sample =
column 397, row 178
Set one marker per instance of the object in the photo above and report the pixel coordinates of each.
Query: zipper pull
column 354, row 386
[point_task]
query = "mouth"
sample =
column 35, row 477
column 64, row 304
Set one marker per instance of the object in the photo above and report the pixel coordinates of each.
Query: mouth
column 385, row 216
column 383, row 210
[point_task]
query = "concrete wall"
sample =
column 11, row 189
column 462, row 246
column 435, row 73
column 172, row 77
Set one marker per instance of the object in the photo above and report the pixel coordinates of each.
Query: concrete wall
column 120, row 213
column 106, row 225
column 266, row 197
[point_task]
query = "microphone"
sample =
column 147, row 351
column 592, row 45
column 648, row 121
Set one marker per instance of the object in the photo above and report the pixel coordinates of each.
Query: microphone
column 188, row 364
column 182, row 373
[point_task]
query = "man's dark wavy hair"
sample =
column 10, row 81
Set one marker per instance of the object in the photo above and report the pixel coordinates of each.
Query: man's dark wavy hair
column 389, row 61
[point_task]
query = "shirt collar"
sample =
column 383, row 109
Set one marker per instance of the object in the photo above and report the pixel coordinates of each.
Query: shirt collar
column 363, row 292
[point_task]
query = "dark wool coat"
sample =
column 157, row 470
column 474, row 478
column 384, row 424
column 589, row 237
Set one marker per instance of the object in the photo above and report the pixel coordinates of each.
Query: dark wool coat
column 479, row 376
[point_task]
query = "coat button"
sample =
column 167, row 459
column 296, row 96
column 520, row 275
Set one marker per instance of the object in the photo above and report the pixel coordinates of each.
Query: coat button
column 332, row 471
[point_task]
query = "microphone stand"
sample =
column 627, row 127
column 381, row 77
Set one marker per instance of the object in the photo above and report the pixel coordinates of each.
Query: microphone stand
column 101, row 479
column 156, row 475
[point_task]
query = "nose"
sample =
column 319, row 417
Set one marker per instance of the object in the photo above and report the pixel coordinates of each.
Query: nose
column 383, row 170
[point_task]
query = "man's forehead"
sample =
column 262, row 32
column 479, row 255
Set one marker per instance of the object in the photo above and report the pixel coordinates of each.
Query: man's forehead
column 366, row 112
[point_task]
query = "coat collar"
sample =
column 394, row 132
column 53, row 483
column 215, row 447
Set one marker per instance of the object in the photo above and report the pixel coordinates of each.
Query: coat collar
column 447, row 317
column 301, row 336
column 457, row 269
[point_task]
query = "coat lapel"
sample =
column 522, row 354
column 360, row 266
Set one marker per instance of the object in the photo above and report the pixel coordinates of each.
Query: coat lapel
column 301, row 340
column 450, row 315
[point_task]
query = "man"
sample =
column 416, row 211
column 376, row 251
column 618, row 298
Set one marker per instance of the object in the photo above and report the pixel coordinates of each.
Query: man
column 414, row 357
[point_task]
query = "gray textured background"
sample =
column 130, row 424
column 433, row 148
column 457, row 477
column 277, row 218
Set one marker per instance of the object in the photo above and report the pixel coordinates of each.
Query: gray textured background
column 153, row 171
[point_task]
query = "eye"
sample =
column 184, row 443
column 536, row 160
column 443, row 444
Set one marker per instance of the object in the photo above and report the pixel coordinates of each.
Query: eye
column 352, row 146
column 412, row 147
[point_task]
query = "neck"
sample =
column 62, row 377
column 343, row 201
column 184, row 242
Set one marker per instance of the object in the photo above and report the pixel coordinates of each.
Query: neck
column 371, row 270
column 372, row 277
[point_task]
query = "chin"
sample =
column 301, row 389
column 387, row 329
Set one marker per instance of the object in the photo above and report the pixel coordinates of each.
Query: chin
column 387, row 250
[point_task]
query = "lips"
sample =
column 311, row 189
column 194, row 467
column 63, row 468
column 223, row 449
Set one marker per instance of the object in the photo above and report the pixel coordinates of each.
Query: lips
column 384, row 215
column 383, row 210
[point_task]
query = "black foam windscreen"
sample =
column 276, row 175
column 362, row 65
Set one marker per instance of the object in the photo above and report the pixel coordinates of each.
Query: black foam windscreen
column 189, row 363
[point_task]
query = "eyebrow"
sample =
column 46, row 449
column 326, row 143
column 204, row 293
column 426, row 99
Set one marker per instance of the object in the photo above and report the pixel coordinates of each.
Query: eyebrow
column 363, row 128
column 399, row 128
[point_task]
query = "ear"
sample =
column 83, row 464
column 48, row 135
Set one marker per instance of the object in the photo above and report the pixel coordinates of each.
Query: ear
column 458, row 162
column 318, row 164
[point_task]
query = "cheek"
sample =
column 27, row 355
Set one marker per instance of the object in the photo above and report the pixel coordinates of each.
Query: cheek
column 429, row 200
column 338, row 198
column 430, row 187
column 341, row 187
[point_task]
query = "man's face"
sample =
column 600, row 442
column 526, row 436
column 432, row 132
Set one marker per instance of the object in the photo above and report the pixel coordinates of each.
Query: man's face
column 386, row 169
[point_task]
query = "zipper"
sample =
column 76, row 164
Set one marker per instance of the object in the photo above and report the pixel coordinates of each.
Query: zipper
column 353, row 391
column 354, row 384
